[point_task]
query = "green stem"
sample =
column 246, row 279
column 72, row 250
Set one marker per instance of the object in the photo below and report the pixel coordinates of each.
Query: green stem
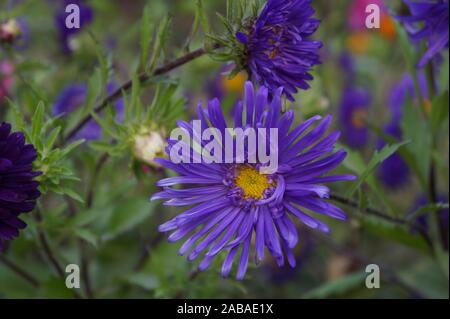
column 143, row 77
column 19, row 271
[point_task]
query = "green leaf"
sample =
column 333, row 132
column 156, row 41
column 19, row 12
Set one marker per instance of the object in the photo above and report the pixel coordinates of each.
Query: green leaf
column 417, row 129
column 52, row 139
column 376, row 160
column 128, row 215
column 37, row 123
column 398, row 233
column 338, row 287
column 87, row 235
column 439, row 111
column 146, row 35
column 160, row 39
column 143, row 280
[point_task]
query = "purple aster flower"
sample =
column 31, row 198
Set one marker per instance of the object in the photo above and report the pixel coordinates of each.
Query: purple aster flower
column 65, row 34
column 279, row 48
column 233, row 202
column 72, row 97
column 18, row 189
column 352, row 114
column 428, row 21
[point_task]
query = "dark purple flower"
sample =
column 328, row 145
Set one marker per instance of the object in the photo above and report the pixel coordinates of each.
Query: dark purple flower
column 428, row 21
column 72, row 97
column 233, row 202
column 65, row 34
column 280, row 51
column 18, row 189
column 352, row 116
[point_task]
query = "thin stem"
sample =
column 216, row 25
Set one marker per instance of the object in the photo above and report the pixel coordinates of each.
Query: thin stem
column 127, row 85
column 372, row 211
column 48, row 251
column 46, row 246
column 20, row 271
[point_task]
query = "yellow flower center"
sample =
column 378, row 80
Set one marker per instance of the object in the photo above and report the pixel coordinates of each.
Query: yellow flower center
column 359, row 118
column 252, row 183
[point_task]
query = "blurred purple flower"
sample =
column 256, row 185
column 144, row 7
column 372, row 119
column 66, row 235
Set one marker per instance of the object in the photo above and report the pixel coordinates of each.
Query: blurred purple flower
column 352, row 116
column 18, row 189
column 347, row 65
column 403, row 90
column 428, row 21
column 231, row 201
column 72, row 97
column 65, row 34
column 280, row 51
column 394, row 171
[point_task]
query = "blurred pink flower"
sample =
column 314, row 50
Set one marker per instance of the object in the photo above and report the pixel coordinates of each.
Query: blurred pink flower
column 6, row 78
column 357, row 13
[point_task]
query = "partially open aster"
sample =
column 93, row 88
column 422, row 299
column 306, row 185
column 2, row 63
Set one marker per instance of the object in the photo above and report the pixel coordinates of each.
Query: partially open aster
column 280, row 50
column 234, row 205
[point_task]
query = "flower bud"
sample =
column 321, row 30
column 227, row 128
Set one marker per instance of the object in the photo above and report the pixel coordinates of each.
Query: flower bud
column 9, row 31
column 147, row 146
